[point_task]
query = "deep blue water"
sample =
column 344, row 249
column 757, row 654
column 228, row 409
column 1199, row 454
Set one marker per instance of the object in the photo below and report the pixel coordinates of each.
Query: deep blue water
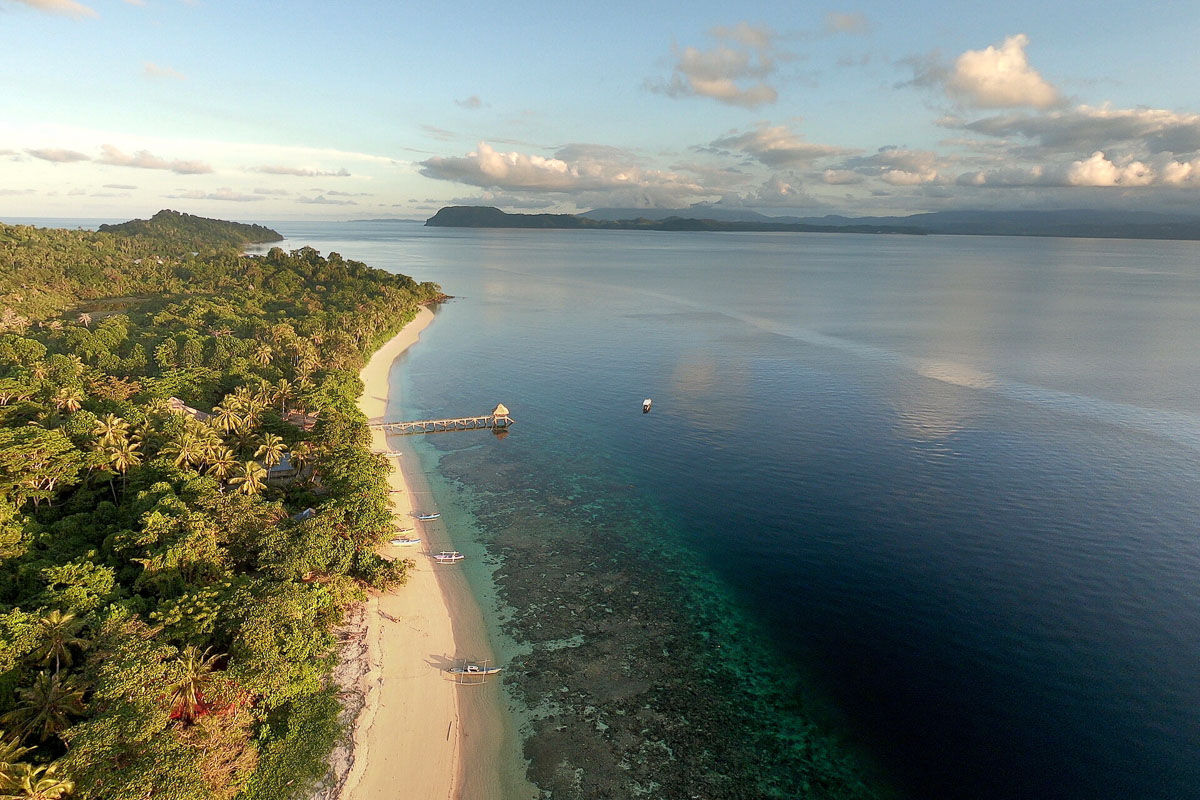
column 955, row 478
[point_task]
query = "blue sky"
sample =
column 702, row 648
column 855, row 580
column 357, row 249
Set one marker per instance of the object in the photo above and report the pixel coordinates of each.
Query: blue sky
column 261, row 110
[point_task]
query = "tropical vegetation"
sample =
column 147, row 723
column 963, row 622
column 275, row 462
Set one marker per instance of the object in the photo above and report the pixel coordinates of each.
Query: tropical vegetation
column 168, row 408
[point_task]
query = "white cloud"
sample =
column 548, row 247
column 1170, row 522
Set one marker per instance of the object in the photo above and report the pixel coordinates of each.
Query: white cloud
column 322, row 200
column 152, row 70
column 144, row 159
column 119, row 186
column 1099, row 171
column 904, row 177
column 576, row 169
column 778, row 146
column 225, row 194
column 471, row 103
column 66, row 8
column 301, row 172
column 1096, row 171
column 855, row 23
column 1000, row 77
column 732, row 72
column 841, row 177
column 273, row 192
column 57, row 155
column 1150, row 130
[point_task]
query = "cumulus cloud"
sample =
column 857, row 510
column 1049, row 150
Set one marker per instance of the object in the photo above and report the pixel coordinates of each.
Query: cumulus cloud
column 144, row 159
column 57, row 155
column 575, row 169
column 66, row 8
column 777, row 146
column 898, row 166
column 734, row 71
column 1000, row 77
column 855, row 23
column 1096, row 171
column 471, row 103
column 301, row 172
column 225, row 194
column 152, row 70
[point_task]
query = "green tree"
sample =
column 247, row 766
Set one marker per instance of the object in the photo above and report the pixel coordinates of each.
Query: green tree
column 251, row 478
column 58, row 632
column 194, row 674
column 46, row 708
column 271, row 449
column 31, row 782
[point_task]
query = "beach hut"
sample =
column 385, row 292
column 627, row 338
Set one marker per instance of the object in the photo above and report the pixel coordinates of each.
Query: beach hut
column 500, row 417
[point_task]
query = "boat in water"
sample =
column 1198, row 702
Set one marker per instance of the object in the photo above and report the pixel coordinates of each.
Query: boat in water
column 646, row 405
column 434, row 515
column 448, row 557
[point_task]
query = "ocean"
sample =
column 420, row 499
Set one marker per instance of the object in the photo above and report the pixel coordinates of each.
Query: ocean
column 939, row 495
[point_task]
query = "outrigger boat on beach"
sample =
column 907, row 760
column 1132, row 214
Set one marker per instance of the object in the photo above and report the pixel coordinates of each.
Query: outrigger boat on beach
column 424, row 516
column 448, row 557
column 470, row 673
column 399, row 541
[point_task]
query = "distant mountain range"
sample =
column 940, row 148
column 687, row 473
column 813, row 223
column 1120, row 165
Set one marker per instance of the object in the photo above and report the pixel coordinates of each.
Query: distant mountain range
column 489, row 217
column 1068, row 223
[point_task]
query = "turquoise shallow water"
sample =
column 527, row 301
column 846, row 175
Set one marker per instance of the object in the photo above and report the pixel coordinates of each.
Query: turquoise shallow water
column 942, row 490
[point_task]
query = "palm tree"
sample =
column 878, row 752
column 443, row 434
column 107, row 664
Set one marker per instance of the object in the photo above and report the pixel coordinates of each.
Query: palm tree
column 187, row 693
column 226, row 417
column 122, row 455
column 185, row 451
column 84, row 319
column 57, row 631
column 222, row 463
column 263, row 354
column 251, row 478
column 284, row 391
column 110, row 428
column 29, row 782
column 10, row 751
column 69, row 398
column 46, row 707
column 271, row 450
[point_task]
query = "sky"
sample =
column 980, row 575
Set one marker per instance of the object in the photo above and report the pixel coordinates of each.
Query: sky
column 303, row 110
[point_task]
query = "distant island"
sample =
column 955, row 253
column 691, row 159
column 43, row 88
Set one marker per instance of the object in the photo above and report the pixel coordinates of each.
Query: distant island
column 1074, row 223
column 390, row 219
column 490, row 217
column 179, row 228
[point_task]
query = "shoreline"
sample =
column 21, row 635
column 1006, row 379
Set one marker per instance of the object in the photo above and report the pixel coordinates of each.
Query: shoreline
column 408, row 728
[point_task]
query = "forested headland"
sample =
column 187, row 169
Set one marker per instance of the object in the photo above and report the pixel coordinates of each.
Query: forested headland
column 169, row 411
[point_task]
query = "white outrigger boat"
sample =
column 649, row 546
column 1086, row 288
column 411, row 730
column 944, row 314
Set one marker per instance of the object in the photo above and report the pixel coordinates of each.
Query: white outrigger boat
column 423, row 516
column 400, row 541
column 469, row 673
column 448, row 557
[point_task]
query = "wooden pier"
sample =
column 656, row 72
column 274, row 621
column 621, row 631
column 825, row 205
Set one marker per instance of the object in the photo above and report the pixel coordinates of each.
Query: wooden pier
column 499, row 418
